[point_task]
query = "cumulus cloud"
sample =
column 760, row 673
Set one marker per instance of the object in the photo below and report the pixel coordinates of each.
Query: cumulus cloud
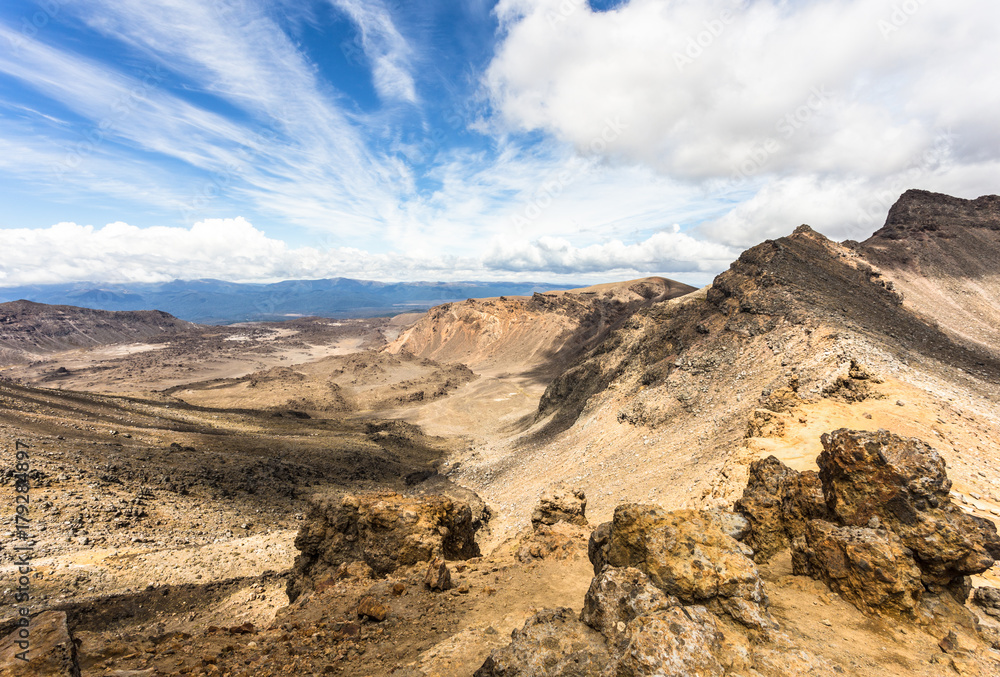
column 697, row 83
column 230, row 249
column 844, row 95
column 233, row 249
column 671, row 250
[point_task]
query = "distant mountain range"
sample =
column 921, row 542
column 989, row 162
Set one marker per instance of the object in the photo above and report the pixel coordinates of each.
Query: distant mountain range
column 219, row 302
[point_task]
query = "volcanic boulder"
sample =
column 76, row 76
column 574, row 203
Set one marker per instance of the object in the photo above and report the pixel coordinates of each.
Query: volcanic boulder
column 685, row 553
column 903, row 482
column 869, row 567
column 616, row 597
column 777, row 502
column 678, row 641
column 384, row 530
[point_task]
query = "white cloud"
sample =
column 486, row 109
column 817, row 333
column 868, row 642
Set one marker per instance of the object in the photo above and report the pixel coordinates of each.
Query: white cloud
column 699, row 82
column 293, row 168
column 820, row 106
column 233, row 249
column 230, row 249
column 386, row 49
column 665, row 251
column 746, row 117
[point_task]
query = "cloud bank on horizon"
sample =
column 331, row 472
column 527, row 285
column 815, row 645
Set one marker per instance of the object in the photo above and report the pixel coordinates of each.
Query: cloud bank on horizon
column 555, row 139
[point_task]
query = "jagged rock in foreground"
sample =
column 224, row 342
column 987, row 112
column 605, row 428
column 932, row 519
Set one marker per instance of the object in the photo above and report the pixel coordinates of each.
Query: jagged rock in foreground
column 904, row 484
column 553, row 642
column 561, row 504
column 869, row 567
column 438, row 576
column 51, row 651
column 777, row 502
column 876, row 524
column 685, row 553
column 384, row 530
column 678, row 641
column 641, row 614
column 668, row 585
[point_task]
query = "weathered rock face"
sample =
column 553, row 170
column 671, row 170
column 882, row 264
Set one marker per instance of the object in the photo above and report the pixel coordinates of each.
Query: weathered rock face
column 385, row 531
column 554, row 643
column 685, row 553
column 732, row 524
column 876, row 523
column 597, row 545
column 678, row 641
column 988, row 599
column 869, row 567
column 561, row 504
column 920, row 211
column 616, row 597
column 433, row 484
column 633, row 625
column 903, row 482
column 777, row 502
column 51, row 651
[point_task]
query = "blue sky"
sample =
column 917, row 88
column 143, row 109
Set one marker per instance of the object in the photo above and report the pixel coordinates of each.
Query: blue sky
column 145, row 140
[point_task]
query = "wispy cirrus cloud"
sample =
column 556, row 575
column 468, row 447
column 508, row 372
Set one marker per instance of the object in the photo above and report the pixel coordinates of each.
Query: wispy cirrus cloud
column 291, row 158
column 225, row 92
column 389, row 53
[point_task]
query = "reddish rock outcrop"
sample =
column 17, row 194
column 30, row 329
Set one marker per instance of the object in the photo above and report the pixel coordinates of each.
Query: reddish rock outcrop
column 777, row 502
column 869, row 567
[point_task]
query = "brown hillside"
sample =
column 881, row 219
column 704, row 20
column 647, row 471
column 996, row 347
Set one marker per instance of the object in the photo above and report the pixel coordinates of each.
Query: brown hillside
column 29, row 329
column 256, row 499
column 518, row 333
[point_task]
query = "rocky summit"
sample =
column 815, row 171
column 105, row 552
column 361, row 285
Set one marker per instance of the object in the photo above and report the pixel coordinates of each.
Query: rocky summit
column 792, row 471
